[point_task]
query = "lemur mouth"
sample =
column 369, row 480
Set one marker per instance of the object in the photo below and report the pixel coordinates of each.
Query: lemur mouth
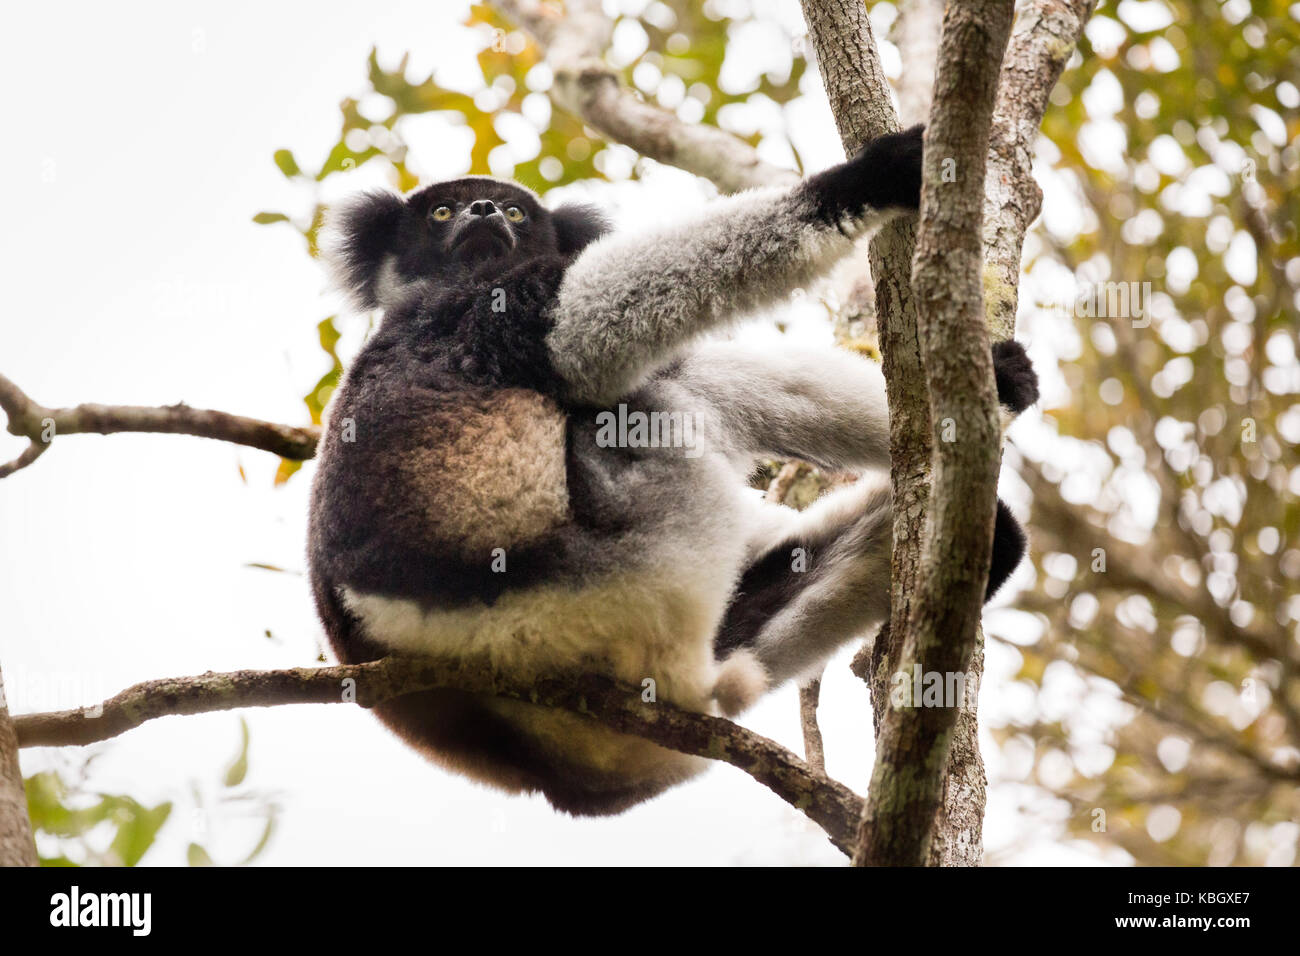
column 483, row 237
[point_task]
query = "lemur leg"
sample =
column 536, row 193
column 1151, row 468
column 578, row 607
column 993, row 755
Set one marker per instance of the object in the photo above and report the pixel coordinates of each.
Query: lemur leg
column 825, row 581
column 823, row 578
column 825, row 406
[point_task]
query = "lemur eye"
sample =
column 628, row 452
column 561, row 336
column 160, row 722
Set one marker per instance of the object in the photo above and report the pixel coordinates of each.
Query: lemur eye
column 514, row 214
column 442, row 213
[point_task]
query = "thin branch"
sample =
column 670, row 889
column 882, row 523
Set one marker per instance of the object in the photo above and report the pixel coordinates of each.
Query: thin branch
column 861, row 103
column 1171, row 709
column 1042, row 42
column 915, row 32
column 573, row 41
column 829, row 804
column 41, row 425
column 780, row 487
column 813, row 750
column 810, row 692
column 29, row 454
column 959, row 826
column 1129, row 567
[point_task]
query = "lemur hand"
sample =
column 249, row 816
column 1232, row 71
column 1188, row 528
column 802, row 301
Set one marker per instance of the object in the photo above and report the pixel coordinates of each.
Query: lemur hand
column 886, row 174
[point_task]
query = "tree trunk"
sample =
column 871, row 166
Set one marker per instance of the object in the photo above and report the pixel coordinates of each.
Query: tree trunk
column 914, row 744
column 16, row 845
column 860, row 98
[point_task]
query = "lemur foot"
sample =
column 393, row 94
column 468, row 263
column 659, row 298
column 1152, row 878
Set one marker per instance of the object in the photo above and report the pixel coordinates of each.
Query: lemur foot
column 742, row 679
column 1017, row 382
column 1008, row 549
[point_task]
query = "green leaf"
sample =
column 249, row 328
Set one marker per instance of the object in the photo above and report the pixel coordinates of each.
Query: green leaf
column 342, row 159
column 320, row 393
column 195, row 855
column 288, row 468
column 238, row 768
column 137, row 829
column 287, row 164
column 266, row 218
column 262, row 843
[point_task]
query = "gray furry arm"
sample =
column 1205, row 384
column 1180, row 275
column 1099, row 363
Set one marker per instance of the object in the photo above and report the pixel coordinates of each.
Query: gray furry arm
column 630, row 302
column 627, row 305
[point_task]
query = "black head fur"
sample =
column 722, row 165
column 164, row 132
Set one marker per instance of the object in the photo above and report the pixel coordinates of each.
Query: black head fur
column 447, row 231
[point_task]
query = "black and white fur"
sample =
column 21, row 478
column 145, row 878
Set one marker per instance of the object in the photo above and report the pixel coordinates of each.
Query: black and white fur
column 475, row 429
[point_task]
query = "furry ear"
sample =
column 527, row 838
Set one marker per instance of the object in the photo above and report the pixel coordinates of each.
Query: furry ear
column 577, row 225
column 359, row 235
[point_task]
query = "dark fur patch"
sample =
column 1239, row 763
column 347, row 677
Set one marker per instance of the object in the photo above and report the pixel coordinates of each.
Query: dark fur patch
column 434, row 364
column 577, row 225
column 368, row 230
column 1009, row 544
column 1017, row 382
column 766, row 586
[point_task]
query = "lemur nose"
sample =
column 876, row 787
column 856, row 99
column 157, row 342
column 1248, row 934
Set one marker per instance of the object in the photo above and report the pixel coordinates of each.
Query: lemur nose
column 482, row 207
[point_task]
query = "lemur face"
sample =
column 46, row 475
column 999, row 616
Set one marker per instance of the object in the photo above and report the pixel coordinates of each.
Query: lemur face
column 385, row 244
column 472, row 221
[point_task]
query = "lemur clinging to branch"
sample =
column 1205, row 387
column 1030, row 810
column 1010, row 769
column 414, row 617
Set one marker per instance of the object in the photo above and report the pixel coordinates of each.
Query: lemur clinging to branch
column 468, row 501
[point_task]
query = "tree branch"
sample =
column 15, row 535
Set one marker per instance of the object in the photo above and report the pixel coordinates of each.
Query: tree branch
column 829, row 804
column 573, row 41
column 842, row 36
column 915, row 32
column 1044, row 37
column 41, row 425
column 1043, row 42
column 814, row 752
column 913, row 746
column 850, row 68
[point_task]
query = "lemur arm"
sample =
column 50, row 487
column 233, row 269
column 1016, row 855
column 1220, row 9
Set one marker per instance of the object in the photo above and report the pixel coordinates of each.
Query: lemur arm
column 628, row 303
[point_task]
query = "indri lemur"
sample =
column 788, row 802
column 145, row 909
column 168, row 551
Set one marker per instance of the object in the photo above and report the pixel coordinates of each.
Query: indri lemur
column 465, row 504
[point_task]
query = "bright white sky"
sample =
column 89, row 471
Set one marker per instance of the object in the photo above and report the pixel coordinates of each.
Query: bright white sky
column 138, row 148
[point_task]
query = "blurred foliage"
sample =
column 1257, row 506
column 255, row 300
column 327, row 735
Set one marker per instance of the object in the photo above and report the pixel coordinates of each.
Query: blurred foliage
column 62, row 811
column 76, row 826
column 1167, row 525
